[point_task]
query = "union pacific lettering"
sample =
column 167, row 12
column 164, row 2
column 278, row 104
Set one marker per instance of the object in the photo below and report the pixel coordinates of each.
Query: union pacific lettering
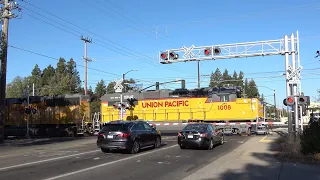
column 175, row 103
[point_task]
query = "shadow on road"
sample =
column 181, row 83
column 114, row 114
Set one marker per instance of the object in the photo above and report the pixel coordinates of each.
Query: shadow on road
column 42, row 141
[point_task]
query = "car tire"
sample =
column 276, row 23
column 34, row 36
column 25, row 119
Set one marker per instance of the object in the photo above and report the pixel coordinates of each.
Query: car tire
column 157, row 142
column 222, row 140
column 210, row 144
column 105, row 150
column 135, row 147
column 182, row 147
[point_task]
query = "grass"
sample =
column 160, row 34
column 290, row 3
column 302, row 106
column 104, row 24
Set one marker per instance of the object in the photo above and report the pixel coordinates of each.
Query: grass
column 290, row 152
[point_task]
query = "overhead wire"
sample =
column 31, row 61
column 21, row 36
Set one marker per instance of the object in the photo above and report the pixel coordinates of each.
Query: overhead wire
column 74, row 34
column 121, row 51
column 241, row 16
column 138, row 20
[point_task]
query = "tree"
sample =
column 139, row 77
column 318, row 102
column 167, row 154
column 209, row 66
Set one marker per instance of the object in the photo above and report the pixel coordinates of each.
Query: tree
column 235, row 77
column 73, row 74
column 252, row 90
column 215, row 78
column 226, row 77
column 240, row 80
column 16, row 88
column 64, row 79
column 101, row 89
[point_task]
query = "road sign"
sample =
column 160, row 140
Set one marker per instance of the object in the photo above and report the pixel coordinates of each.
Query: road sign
column 295, row 73
column 118, row 87
column 188, row 51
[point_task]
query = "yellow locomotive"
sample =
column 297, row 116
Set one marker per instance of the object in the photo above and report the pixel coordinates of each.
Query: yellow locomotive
column 62, row 115
column 218, row 104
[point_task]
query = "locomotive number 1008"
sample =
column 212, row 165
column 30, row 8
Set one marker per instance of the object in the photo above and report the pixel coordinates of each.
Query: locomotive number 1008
column 224, row 107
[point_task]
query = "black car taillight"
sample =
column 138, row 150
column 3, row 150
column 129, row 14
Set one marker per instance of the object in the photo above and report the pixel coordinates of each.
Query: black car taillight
column 101, row 135
column 124, row 135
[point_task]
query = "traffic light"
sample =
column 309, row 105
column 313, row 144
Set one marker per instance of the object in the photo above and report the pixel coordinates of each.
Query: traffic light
column 157, row 85
column 173, row 55
column 207, row 51
column 163, row 56
column 28, row 111
column 132, row 102
column 217, row 50
column 117, row 106
column 289, row 101
column 302, row 100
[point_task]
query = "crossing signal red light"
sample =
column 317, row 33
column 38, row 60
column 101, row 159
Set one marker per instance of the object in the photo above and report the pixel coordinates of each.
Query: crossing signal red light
column 207, row 51
column 289, row 101
column 164, row 56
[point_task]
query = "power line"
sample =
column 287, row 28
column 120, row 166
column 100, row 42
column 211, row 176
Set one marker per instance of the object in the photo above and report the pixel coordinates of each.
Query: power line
column 241, row 16
column 118, row 49
column 49, row 57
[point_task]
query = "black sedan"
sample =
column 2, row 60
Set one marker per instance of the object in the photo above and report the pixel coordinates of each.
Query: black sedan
column 200, row 135
column 128, row 135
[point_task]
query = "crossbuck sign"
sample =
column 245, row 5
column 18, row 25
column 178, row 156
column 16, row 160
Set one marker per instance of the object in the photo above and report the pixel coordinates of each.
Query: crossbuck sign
column 118, row 87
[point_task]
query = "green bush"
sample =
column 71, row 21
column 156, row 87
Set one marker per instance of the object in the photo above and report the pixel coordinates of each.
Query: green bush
column 310, row 139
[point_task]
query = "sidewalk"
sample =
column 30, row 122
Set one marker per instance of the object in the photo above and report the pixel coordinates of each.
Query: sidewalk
column 255, row 160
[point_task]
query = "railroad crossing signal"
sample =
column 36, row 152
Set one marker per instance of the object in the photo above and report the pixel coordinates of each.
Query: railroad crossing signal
column 294, row 73
column 118, row 87
column 302, row 100
column 208, row 51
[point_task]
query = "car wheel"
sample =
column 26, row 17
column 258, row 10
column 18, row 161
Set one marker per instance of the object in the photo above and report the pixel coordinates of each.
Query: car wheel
column 105, row 150
column 210, row 144
column 222, row 140
column 135, row 147
column 157, row 143
column 182, row 147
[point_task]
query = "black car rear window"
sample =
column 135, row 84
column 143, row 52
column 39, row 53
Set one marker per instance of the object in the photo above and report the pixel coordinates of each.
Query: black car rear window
column 115, row 127
column 197, row 127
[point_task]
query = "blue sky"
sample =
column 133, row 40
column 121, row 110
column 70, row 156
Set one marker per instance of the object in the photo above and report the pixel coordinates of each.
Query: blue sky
column 129, row 26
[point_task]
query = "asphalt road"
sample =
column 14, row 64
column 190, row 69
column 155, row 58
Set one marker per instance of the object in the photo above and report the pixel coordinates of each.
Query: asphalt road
column 77, row 161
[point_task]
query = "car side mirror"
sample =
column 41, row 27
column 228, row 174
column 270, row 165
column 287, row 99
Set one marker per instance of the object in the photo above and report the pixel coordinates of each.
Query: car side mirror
column 154, row 126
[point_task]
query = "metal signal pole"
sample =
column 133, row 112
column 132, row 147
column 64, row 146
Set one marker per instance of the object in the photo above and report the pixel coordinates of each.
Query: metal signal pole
column 86, row 60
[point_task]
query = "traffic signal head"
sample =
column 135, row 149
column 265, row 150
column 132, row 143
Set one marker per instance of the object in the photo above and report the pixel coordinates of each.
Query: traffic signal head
column 163, row 56
column 132, row 101
column 289, row 101
column 173, row 55
column 207, row 51
column 216, row 50
column 302, row 100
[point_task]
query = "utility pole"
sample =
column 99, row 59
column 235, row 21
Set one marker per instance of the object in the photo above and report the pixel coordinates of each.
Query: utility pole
column 6, row 15
column 86, row 60
column 199, row 74
column 275, row 104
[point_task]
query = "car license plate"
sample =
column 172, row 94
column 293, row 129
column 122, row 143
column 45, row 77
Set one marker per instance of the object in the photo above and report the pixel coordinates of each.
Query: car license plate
column 190, row 136
column 110, row 136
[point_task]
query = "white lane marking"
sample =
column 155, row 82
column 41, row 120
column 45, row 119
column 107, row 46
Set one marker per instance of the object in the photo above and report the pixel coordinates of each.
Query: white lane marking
column 46, row 160
column 108, row 163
